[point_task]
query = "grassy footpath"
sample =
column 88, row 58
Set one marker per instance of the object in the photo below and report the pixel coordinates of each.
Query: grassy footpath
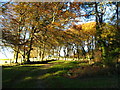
column 58, row 74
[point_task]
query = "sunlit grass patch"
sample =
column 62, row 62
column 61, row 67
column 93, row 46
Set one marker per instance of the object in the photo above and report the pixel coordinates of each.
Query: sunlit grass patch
column 54, row 75
column 60, row 72
column 72, row 62
column 62, row 66
column 5, row 59
column 32, row 65
column 27, row 78
column 45, row 76
column 57, row 61
column 59, row 68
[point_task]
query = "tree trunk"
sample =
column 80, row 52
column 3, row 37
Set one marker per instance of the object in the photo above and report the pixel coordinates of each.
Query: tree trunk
column 104, row 52
column 17, row 52
column 30, row 48
column 73, row 53
column 101, row 42
column 38, row 53
column 64, row 53
column 97, row 27
column 78, row 56
column 117, row 12
column 59, row 53
column 42, row 55
column 43, row 52
column 24, row 53
column 92, row 48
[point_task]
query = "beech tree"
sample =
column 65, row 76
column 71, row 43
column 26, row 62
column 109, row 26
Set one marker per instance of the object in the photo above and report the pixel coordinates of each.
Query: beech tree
column 48, row 27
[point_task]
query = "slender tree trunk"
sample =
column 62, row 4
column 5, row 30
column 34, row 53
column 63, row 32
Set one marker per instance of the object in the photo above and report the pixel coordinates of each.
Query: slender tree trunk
column 30, row 48
column 83, row 52
column 64, row 53
column 78, row 56
column 92, row 48
column 16, row 59
column 59, row 53
column 31, row 43
column 43, row 52
column 17, row 44
column 38, row 53
column 97, row 27
column 42, row 56
column 14, row 55
column 74, row 54
column 24, row 52
column 53, row 52
column 117, row 12
column 104, row 52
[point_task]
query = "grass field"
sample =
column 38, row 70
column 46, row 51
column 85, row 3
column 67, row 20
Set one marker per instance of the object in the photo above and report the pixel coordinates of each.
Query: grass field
column 4, row 59
column 59, row 74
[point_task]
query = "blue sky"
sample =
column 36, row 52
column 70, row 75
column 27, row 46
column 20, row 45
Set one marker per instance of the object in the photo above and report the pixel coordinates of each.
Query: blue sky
column 6, row 53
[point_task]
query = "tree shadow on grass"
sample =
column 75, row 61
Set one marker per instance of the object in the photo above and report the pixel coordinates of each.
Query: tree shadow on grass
column 87, row 77
column 40, row 62
column 28, row 76
column 22, row 76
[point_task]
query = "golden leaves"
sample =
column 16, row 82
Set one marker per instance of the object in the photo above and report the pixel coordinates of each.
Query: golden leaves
column 108, row 31
column 57, row 23
column 89, row 28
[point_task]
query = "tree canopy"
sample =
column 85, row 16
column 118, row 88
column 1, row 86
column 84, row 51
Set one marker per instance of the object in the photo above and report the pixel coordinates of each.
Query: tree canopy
column 46, row 27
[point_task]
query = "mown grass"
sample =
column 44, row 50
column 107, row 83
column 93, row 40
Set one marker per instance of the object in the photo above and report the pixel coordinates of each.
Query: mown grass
column 60, row 74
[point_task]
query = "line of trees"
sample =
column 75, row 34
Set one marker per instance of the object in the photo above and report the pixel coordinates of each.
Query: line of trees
column 49, row 27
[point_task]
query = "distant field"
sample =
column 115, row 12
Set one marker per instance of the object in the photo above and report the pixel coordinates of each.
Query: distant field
column 4, row 59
